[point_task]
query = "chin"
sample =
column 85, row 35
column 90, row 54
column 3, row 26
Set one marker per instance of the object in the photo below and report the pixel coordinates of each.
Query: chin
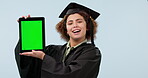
column 77, row 38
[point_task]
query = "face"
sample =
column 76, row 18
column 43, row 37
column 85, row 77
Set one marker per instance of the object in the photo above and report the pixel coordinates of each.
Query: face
column 76, row 27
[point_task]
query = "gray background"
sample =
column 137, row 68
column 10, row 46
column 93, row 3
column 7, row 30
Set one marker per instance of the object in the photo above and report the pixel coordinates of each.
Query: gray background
column 122, row 33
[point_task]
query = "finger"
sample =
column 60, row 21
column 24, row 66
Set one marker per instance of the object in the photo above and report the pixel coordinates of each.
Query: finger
column 18, row 20
column 29, row 16
column 23, row 16
column 26, row 17
column 27, row 53
column 20, row 17
column 36, row 51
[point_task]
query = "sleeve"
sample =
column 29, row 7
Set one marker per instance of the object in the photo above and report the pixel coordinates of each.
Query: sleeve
column 28, row 67
column 85, row 66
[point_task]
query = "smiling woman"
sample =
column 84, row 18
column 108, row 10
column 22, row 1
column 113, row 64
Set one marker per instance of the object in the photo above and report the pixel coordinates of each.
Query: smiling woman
column 75, row 59
column 61, row 26
column 76, row 28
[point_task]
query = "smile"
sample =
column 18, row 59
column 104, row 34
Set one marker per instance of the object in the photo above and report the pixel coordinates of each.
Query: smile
column 76, row 31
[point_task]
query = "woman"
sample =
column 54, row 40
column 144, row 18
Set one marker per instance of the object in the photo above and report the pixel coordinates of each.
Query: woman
column 75, row 59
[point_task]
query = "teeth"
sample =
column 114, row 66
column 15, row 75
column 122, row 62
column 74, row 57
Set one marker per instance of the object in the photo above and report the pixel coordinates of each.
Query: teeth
column 76, row 31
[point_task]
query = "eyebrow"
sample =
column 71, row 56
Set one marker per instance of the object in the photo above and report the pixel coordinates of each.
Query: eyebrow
column 76, row 20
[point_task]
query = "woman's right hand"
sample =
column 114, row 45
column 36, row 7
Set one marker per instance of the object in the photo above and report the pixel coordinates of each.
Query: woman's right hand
column 28, row 16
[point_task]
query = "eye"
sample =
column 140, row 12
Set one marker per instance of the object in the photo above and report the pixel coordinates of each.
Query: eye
column 80, row 21
column 69, row 23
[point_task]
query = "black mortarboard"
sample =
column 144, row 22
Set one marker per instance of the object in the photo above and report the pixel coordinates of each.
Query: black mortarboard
column 74, row 8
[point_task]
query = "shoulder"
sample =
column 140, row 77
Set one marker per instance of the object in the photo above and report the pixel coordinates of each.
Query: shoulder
column 88, row 51
column 89, row 48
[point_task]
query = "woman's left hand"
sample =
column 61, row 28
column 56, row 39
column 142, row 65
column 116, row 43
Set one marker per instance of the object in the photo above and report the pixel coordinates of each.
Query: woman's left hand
column 37, row 54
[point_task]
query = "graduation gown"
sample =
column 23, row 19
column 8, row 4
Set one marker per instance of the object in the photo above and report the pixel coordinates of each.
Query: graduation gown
column 29, row 67
column 81, row 62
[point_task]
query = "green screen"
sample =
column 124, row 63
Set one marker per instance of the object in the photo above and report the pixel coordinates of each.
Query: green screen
column 31, row 35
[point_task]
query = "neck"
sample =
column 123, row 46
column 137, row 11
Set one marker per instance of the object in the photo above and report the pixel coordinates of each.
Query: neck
column 75, row 42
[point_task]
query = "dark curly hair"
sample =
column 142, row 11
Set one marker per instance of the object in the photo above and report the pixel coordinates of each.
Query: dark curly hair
column 61, row 26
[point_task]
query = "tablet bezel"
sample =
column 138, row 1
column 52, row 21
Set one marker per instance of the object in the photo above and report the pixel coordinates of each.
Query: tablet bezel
column 43, row 31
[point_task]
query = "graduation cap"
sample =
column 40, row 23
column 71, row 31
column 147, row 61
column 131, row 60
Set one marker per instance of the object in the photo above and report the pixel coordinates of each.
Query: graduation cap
column 75, row 8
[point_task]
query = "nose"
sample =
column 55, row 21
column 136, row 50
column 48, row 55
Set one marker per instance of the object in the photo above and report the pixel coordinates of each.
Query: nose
column 75, row 24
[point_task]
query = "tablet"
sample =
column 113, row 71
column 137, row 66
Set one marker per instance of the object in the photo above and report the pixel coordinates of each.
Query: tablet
column 32, row 34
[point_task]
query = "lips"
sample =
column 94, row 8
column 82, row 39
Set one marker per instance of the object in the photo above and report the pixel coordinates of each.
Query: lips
column 76, row 30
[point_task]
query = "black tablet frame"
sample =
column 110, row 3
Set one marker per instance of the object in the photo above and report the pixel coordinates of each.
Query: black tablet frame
column 43, row 31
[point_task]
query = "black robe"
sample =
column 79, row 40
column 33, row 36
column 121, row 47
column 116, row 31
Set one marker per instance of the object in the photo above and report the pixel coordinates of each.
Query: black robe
column 82, row 62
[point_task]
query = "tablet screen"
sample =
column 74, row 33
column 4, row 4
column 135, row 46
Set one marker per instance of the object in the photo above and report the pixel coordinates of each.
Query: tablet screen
column 32, row 34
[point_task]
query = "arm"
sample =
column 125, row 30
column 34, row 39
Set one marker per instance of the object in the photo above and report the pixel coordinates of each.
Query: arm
column 28, row 67
column 23, row 66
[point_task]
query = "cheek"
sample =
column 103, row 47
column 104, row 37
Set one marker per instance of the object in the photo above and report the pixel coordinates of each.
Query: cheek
column 85, row 28
column 68, row 29
column 85, row 31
